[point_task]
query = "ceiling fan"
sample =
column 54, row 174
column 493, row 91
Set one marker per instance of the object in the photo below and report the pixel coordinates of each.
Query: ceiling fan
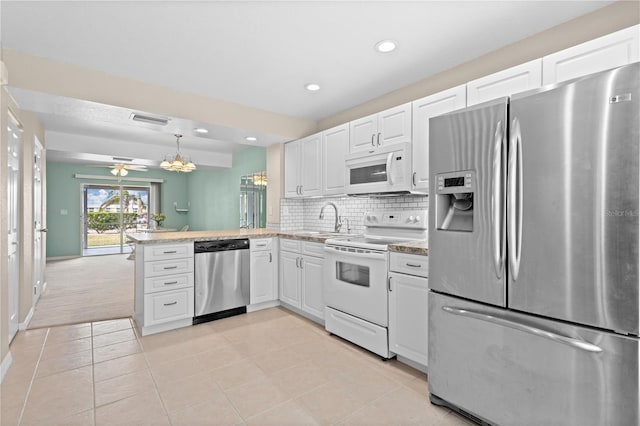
column 123, row 169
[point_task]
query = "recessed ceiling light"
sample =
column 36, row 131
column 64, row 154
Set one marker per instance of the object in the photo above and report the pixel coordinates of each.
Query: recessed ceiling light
column 200, row 130
column 251, row 138
column 312, row 87
column 386, row 46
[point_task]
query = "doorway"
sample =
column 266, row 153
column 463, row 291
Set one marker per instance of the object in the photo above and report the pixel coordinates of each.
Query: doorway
column 109, row 213
column 14, row 159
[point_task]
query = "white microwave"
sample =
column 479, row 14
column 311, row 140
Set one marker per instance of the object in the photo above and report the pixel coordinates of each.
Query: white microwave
column 383, row 171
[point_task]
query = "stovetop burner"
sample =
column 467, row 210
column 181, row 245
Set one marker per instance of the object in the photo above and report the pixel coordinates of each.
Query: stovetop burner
column 384, row 228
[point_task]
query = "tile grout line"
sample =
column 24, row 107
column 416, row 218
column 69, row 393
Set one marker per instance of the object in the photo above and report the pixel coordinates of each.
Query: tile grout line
column 93, row 377
column 33, row 377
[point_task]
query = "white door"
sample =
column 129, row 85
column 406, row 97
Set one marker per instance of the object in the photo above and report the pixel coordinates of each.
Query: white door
column 311, row 159
column 38, row 228
column 394, row 125
column 363, row 132
column 424, row 109
column 292, row 169
column 335, row 145
column 15, row 140
column 504, row 83
column 290, row 278
column 408, row 316
column 312, row 281
column 261, row 277
column 610, row 51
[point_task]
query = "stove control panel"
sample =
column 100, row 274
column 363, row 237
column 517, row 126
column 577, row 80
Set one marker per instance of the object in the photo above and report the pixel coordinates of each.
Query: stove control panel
column 398, row 219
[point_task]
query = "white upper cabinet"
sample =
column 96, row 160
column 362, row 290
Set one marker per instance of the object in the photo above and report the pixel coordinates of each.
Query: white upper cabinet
column 391, row 126
column 504, row 83
column 335, row 145
column 303, row 167
column 424, row 109
column 610, row 51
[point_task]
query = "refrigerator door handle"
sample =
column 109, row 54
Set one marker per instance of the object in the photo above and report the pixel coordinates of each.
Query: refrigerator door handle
column 497, row 205
column 575, row 343
column 514, row 218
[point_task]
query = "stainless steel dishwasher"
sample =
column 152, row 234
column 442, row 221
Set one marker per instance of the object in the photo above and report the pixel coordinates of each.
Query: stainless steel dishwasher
column 221, row 279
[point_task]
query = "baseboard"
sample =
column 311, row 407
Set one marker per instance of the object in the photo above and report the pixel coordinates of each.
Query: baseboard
column 53, row 259
column 23, row 325
column 263, row 305
column 4, row 367
column 413, row 364
column 44, row 287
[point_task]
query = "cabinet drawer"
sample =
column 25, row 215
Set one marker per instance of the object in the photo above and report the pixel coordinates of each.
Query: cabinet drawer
column 168, row 306
column 261, row 244
column 168, row 282
column 313, row 249
column 411, row 264
column 289, row 245
column 166, row 251
column 168, row 267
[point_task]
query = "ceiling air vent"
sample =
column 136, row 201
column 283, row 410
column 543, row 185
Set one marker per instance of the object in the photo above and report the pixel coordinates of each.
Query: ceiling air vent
column 125, row 159
column 160, row 121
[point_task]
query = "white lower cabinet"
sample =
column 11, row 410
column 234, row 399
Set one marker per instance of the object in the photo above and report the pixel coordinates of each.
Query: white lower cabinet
column 164, row 293
column 408, row 307
column 301, row 277
column 264, row 270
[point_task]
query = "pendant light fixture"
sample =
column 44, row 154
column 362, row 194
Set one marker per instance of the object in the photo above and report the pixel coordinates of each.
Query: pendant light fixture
column 178, row 162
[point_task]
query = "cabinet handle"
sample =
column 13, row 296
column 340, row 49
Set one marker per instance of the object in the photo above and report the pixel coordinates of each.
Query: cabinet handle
column 170, row 267
column 301, row 263
column 390, row 284
column 379, row 139
column 301, row 190
column 413, row 178
column 171, row 282
column 170, row 252
column 172, row 303
column 270, row 258
column 297, row 262
column 373, row 137
column 413, row 265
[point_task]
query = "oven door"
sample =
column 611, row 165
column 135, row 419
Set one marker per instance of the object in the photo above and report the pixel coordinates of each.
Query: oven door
column 356, row 282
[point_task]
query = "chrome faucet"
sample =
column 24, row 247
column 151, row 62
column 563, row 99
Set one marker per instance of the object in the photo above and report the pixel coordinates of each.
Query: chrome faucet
column 338, row 224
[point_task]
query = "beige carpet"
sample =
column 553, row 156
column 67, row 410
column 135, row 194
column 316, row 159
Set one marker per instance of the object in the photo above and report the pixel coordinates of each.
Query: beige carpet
column 86, row 289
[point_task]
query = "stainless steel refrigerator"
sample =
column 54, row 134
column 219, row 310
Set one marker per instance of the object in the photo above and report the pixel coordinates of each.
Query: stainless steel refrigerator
column 533, row 245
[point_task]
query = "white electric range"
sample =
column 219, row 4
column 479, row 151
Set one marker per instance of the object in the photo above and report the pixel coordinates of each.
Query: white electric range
column 356, row 277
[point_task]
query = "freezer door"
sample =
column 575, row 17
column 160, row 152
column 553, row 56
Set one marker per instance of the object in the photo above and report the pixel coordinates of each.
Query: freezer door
column 467, row 156
column 514, row 369
column 573, row 201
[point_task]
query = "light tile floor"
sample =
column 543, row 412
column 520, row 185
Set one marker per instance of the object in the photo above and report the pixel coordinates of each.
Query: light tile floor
column 270, row 367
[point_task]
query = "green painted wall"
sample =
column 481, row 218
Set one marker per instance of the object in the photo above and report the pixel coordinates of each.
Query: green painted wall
column 215, row 195
column 64, row 237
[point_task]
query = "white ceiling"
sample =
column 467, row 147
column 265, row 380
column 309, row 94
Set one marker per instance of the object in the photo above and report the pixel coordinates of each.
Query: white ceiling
column 262, row 53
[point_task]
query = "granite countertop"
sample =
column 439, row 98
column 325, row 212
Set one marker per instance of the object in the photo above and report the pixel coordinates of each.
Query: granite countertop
column 191, row 236
column 417, row 247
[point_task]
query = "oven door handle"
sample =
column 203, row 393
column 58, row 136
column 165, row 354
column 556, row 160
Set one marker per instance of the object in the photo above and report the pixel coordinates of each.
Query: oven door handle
column 350, row 254
column 375, row 256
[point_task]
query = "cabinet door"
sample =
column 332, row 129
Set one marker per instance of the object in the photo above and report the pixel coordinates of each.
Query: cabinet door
column 292, row 169
column 423, row 109
column 611, row 51
column 408, row 317
column 312, row 298
column 335, row 145
column 289, row 278
column 261, row 278
column 394, row 125
column 504, row 83
column 362, row 133
column 311, row 165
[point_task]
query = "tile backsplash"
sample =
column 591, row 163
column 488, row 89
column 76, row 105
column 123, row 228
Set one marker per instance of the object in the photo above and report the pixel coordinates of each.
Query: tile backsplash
column 298, row 214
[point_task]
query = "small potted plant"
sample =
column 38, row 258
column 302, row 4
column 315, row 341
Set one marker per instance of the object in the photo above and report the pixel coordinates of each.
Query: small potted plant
column 158, row 218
